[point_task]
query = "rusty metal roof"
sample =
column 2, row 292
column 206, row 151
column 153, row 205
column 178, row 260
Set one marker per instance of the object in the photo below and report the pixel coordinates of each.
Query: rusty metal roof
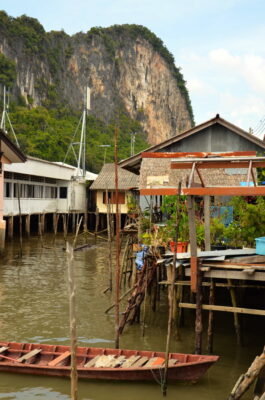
column 106, row 179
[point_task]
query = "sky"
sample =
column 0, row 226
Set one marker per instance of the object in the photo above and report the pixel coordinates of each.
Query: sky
column 218, row 44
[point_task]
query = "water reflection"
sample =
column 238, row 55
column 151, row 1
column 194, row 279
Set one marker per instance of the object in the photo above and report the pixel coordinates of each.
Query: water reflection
column 34, row 308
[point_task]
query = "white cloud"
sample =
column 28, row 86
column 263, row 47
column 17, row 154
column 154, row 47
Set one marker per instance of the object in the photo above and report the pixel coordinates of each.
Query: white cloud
column 196, row 85
column 250, row 67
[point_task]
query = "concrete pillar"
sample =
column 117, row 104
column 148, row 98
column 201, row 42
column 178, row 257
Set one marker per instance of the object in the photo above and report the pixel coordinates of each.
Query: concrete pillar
column 2, row 234
column 10, row 227
column 27, row 225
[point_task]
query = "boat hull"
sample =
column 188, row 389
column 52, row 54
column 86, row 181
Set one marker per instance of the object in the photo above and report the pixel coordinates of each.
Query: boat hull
column 188, row 367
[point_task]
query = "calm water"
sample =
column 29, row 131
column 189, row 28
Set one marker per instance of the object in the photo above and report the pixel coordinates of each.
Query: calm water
column 34, row 308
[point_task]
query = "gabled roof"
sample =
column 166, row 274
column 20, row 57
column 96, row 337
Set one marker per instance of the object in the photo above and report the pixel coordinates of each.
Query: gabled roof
column 133, row 163
column 106, row 179
column 10, row 150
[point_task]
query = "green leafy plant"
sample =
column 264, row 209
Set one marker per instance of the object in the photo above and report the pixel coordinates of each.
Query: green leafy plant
column 131, row 204
column 7, row 71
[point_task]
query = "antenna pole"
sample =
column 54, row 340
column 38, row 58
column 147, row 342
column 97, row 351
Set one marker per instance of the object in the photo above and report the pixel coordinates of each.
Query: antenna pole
column 4, row 111
column 81, row 165
column 5, row 117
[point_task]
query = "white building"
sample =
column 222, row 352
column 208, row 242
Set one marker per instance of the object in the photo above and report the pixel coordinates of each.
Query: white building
column 43, row 187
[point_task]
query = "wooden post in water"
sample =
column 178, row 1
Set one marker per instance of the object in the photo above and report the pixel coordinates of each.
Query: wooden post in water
column 64, row 226
column 117, row 273
column 96, row 224
column 20, row 217
column 109, row 241
column 210, row 320
column 27, row 225
column 10, row 227
column 171, row 295
column 236, row 316
column 71, row 284
column 198, row 321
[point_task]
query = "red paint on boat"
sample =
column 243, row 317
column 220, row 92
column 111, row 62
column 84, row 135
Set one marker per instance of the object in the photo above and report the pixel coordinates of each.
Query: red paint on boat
column 55, row 361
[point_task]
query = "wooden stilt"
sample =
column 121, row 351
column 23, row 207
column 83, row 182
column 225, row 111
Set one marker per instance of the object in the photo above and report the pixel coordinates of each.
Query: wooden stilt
column 97, row 223
column 20, row 217
column 40, row 229
column 85, row 224
column 10, row 227
column 171, row 295
column 198, row 321
column 42, row 219
column 236, row 316
column 210, row 320
column 27, row 225
column 55, row 223
column 177, row 313
column 117, row 243
column 64, row 226
column 109, row 241
column 73, row 222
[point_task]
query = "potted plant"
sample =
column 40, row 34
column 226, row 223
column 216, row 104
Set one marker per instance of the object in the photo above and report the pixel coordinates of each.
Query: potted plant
column 169, row 208
column 132, row 206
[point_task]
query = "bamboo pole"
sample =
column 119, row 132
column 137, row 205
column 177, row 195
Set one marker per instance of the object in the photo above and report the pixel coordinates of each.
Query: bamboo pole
column 117, row 272
column 72, row 290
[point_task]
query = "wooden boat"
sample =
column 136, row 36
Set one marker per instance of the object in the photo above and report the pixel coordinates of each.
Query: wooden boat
column 100, row 363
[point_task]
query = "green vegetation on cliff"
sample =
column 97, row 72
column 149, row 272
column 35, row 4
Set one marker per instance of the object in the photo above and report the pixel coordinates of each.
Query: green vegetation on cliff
column 46, row 131
column 7, row 71
column 47, row 134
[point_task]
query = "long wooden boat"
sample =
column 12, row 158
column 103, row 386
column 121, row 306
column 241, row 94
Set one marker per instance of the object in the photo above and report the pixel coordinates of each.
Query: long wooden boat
column 100, row 363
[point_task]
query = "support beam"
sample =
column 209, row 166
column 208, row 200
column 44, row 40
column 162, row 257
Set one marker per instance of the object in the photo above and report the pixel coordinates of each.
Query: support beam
column 224, row 191
column 212, row 307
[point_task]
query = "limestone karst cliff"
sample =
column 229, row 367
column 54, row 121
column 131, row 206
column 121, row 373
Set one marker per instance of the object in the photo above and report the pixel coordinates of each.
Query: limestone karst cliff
column 125, row 66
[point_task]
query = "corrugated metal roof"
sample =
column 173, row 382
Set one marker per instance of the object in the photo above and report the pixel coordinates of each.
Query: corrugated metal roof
column 106, row 179
column 134, row 162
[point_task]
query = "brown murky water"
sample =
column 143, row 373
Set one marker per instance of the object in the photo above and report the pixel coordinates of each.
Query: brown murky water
column 34, row 308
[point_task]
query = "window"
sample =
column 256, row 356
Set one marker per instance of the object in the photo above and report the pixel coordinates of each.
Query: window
column 63, row 192
column 7, row 189
column 112, row 198
column 50, row 192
